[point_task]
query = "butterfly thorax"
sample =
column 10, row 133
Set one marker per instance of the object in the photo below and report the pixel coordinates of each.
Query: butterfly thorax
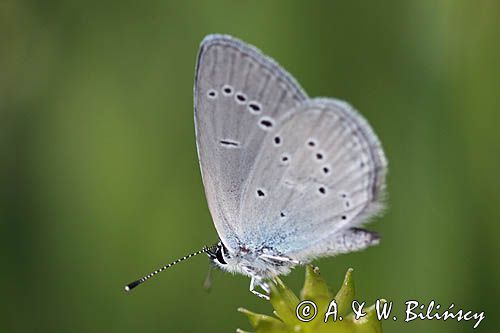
column 262, row 262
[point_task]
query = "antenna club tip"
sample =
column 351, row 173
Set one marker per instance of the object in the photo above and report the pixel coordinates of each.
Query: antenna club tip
column 132, row 285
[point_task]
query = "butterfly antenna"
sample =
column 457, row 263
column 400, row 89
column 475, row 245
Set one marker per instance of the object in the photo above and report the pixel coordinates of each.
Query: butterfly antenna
column 134, row 284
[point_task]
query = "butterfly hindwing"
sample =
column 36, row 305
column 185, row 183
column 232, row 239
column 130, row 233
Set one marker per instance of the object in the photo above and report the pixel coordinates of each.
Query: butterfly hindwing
column 320, row 171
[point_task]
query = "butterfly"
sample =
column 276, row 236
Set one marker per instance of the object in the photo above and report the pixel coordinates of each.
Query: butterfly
column 288, row 178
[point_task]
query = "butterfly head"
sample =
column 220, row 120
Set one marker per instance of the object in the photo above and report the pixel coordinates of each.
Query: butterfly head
column 219, row 254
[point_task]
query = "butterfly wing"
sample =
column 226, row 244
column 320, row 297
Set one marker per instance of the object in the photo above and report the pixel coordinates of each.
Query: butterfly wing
column 238, row 94
column 321, row 171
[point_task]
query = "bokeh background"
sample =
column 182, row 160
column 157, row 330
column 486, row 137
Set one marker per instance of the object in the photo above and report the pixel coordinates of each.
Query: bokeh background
column 99, row 175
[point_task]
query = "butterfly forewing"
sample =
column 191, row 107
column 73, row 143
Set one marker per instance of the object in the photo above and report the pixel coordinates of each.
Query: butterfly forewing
column 239, row 95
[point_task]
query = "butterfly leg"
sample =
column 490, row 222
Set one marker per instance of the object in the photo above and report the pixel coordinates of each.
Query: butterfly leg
column 257, row 282
column 269, row 257
column 265, row 287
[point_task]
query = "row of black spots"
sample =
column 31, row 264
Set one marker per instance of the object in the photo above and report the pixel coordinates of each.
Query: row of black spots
column 319, row 155
column 347, row 203
column 260, row 193
column 312, row 144
column 227, row 91
column 284, row 158
column 323, row 190
column 240, row 98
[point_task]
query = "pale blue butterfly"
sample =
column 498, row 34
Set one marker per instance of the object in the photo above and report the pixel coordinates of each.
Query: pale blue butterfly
column 288, row 178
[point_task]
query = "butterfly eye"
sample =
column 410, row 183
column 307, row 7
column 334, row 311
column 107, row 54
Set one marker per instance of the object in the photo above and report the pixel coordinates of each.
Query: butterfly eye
column 220, row 257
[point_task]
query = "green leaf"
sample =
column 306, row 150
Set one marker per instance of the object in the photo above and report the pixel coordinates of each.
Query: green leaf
column 284, row 302
column 315, row 287
column 345, row 295
column 263, row 323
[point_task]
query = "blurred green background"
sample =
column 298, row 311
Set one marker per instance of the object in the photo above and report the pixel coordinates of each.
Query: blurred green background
column 99, row 174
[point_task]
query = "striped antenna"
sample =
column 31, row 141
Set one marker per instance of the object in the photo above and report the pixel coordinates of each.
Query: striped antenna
column 134, row 284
